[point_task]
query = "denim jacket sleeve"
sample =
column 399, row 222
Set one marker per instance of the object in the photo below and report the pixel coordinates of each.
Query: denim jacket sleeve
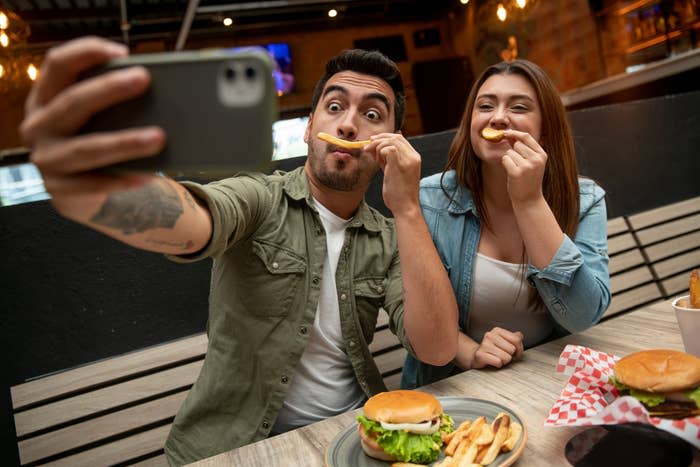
column 575, row 285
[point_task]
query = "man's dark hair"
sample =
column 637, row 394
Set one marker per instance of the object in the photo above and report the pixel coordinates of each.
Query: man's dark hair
column 371, row 63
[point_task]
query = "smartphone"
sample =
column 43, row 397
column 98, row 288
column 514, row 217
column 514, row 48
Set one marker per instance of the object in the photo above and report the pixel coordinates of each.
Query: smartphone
column 216, row 106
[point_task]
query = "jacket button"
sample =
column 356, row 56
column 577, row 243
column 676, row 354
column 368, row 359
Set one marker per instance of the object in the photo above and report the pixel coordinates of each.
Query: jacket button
column 303, row 329
column 285, row 379
column 266, row 424
column 343, row 297
column 380, row 289
column 316, row 280
column 275, row 265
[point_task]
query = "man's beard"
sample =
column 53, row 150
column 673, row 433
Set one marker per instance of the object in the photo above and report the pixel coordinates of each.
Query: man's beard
column 340, row 180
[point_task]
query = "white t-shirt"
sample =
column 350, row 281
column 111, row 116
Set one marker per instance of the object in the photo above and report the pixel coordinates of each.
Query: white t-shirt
column 324, row 383
column 499, row 299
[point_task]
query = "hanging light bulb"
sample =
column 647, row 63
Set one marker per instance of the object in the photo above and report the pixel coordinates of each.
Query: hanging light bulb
column 501, row 12
column 228, row 21
column 32, row 72
column 4, row 40
column 2, row 71
column 332, row 13
column 463, row 2
column 521, row 3
column 3, row 20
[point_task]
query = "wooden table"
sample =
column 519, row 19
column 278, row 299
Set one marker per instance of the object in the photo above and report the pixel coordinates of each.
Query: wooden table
column 529, row 387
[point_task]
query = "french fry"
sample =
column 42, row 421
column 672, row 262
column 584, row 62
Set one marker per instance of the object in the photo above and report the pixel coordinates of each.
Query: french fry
column 694, row 287
column 501, row 429
column 482, row 452
column 447, row 438
column 515, row 431
column 446, row 462
column 467, row 447
column 342, row 142
column 683, row 303
column 491, row 134
column 454, row 442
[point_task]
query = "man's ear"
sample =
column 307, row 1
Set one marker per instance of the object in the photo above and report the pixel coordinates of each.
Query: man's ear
column 307, row 132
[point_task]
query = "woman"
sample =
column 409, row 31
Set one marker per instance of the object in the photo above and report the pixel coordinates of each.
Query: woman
column 523, row 238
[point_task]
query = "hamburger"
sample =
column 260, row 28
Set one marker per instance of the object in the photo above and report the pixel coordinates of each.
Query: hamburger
column 404, row 426
column 667, row 382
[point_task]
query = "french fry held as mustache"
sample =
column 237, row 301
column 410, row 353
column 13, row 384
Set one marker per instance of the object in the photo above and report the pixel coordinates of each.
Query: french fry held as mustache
column 492, row 134
column 343, row 143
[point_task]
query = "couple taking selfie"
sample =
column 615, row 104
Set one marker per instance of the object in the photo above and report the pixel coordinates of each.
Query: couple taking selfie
column 504, row 249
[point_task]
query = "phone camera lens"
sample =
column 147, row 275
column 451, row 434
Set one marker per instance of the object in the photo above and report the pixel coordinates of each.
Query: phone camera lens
column 230, row 73
column 250, row 72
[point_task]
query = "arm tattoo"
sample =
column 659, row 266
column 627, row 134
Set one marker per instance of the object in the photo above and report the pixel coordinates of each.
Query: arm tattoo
column 190, row 201
column 184, row 245
column 150, row 207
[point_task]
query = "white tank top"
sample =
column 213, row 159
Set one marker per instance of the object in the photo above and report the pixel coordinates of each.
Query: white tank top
column 500, row 299
column 324, row 383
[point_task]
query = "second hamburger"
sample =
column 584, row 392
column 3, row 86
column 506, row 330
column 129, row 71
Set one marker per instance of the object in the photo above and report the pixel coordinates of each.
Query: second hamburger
column 667, row 382
column 403, row 425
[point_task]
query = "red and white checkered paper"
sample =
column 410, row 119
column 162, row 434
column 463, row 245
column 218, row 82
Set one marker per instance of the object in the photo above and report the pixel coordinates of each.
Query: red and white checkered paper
column 589, row 399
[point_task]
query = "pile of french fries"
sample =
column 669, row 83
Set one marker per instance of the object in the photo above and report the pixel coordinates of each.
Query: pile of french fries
column 476, row 443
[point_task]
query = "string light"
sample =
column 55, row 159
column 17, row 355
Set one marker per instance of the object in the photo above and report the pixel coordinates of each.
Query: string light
column 332, row 13
column 521, row 3
column 4, row 40
column 32, row 72
column 463, row 2
column 228, row 21
column 501, row 12
column 3, row 20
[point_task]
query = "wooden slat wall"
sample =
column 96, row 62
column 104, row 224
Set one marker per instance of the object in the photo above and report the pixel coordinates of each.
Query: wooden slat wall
column 119, row 410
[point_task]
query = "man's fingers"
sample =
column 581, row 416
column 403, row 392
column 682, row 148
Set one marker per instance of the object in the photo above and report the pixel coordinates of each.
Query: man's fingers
column 70, row 110
column 98, row 150
column 65, row 63
column 77, row 187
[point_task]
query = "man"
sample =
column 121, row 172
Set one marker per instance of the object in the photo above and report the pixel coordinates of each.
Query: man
column 301, row 263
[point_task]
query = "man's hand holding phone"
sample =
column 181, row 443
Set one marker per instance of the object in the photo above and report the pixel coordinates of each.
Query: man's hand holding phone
column 60, row 104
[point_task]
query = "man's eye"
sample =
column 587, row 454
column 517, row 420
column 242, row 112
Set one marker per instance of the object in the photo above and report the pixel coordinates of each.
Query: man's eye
column 373, row 115
column 334, row 107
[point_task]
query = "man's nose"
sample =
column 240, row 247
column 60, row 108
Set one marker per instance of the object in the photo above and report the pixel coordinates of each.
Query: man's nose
column 347, row 128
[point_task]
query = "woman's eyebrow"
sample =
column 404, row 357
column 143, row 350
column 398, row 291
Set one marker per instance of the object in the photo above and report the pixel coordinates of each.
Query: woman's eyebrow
column 510, row 97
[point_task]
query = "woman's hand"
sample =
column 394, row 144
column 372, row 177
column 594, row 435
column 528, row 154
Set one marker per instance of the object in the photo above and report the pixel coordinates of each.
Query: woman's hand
column 498, row 348
column 524, row 162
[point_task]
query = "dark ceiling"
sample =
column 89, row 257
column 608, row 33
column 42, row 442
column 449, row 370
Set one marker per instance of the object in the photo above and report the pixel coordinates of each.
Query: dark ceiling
column 53, row 21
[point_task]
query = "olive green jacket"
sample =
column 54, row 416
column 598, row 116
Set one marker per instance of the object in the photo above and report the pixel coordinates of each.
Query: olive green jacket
column 268, row 247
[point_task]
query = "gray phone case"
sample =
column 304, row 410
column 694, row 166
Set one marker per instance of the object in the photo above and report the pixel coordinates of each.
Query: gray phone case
column 217, row 108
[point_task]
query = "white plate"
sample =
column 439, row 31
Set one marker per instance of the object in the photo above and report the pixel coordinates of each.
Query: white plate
column 345, row 449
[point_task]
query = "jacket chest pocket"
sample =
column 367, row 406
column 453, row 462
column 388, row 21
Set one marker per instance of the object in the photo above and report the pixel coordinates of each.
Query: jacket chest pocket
column 274, row 276
column 369, row 297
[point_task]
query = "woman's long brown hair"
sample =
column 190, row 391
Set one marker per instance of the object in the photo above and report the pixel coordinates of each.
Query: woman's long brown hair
column 560, row 183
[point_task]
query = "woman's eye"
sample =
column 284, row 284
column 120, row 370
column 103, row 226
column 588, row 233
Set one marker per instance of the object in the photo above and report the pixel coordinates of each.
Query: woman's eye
column 373, row 115
column 334, row 107
column 520, row 108
column 485, row 106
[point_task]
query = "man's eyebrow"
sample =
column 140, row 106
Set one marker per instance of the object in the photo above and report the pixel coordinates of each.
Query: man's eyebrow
column 372, row 95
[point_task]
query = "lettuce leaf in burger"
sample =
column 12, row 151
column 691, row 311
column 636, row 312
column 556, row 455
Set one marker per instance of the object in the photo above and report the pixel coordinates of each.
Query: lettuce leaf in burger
column 403, row 425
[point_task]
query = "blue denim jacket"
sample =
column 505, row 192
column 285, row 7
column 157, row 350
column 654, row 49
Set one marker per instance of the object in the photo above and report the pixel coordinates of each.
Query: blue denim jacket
column 574, row 286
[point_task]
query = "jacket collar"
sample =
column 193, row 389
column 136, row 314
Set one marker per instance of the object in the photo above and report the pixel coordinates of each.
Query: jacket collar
column 296, row 186
column 462, row 201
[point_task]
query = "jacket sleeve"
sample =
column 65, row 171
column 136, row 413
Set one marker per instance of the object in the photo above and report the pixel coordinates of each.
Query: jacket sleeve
column 575, row 285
